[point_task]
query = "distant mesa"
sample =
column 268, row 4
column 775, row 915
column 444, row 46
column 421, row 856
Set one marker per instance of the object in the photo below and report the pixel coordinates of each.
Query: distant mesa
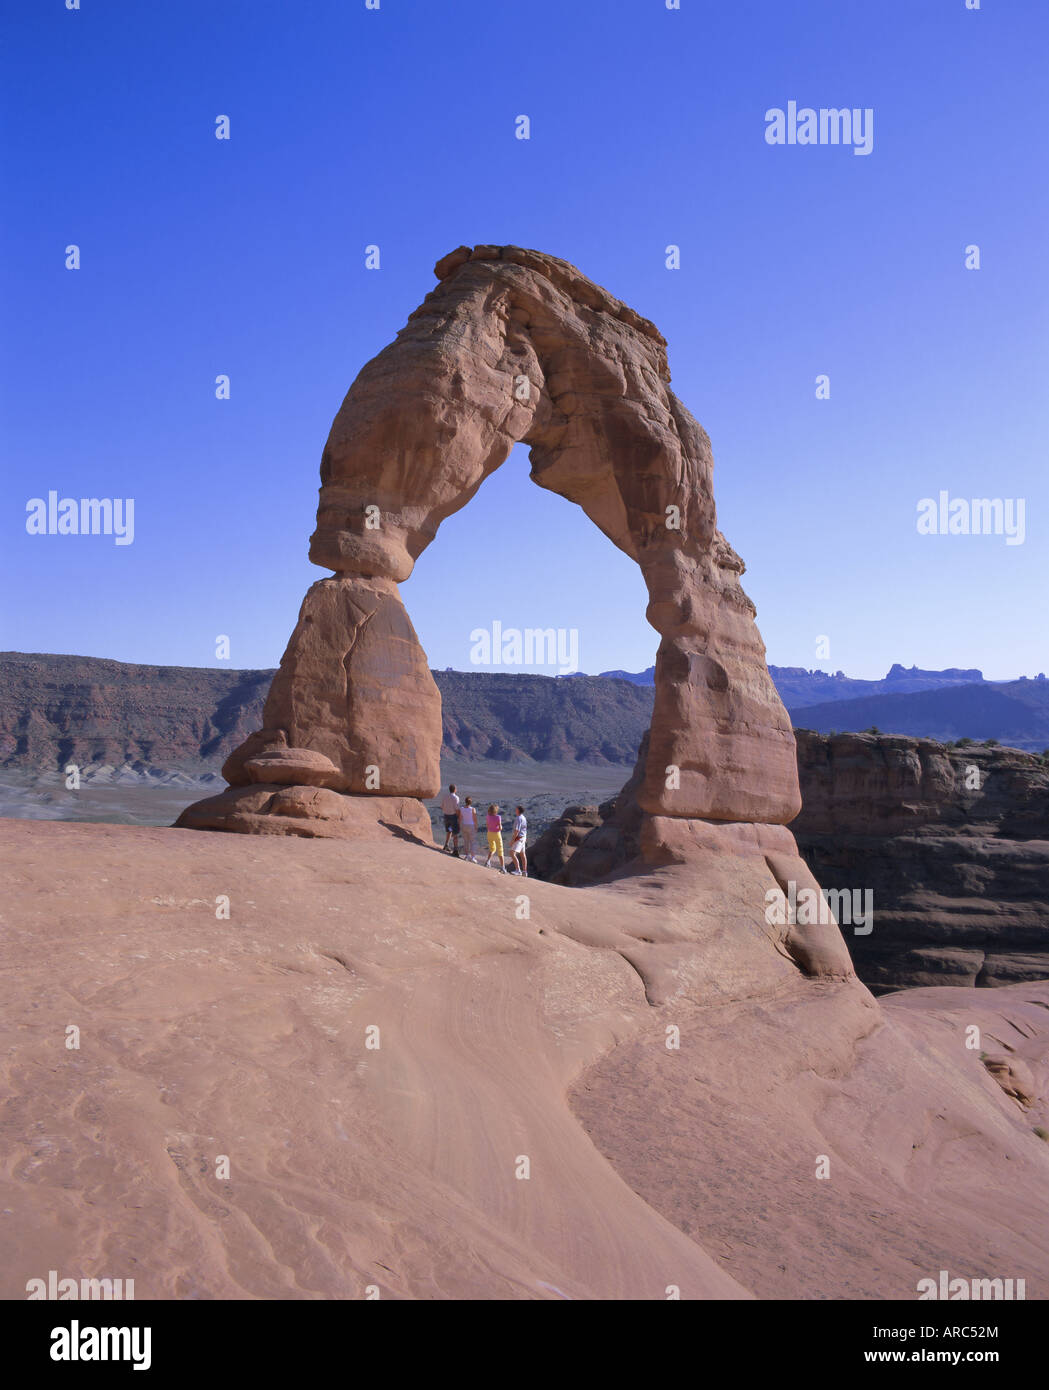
column 645, row 677
column 97, row 712
column 898, row 673
column 795, row 680
column 1016, row 713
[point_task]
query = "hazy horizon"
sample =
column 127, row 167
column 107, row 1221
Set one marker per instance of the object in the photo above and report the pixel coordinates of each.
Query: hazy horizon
column 533, row 671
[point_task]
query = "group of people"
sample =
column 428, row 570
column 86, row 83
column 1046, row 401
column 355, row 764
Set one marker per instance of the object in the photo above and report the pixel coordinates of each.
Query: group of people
column 461, row 819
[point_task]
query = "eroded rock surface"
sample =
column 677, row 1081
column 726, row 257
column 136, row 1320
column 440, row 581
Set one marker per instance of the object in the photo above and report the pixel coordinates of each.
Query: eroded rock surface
column 354, row 685
column 953, row 843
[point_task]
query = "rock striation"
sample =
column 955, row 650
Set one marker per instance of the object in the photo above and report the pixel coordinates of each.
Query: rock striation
column 953, row 842
column 87, row 710
column 57, row 709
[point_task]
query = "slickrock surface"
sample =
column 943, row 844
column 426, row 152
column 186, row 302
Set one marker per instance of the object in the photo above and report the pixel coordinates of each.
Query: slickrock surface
column 959, row 873
column 502, row 1038
column 754, row 869
column 226, row 986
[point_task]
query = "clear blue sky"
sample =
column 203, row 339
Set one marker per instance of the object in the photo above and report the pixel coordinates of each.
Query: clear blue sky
column 396, row 127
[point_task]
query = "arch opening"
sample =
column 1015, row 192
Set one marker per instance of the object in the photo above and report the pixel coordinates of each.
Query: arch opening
column 514, row 346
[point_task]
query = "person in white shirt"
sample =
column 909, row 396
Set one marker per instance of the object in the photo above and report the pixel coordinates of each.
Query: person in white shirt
column 450, row 811
column 468, row 823
column 517, row 843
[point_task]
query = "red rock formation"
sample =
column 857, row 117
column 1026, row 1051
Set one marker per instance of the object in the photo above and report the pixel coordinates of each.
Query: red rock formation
column 514, row 345
column 757, row 863
column 953, row 844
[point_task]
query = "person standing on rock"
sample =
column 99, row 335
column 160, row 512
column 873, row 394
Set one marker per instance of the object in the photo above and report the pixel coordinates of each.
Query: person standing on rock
column 450, row 811
column 494, row 825
column 468, row 822
column 517, row 843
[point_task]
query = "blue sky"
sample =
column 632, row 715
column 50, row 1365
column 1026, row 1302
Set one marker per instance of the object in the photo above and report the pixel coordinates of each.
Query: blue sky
column 396, row 127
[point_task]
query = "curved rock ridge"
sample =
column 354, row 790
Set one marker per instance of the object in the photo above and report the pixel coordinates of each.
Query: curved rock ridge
column 513, row 346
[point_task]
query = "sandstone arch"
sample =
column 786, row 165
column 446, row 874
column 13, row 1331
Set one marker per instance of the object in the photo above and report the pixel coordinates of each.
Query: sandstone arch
column 514, row 345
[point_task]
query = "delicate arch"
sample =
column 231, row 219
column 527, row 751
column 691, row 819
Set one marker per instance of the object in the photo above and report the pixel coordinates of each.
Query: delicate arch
column 514, row 345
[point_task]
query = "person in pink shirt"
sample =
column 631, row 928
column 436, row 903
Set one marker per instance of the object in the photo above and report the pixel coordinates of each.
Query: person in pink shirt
column 494, row 826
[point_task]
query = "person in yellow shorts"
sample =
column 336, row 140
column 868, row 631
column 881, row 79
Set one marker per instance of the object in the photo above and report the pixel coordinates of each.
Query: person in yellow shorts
column 494, row 826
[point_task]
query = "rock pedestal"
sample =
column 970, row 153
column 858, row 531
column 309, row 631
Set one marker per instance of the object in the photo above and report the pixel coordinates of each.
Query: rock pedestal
column 354, row 686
